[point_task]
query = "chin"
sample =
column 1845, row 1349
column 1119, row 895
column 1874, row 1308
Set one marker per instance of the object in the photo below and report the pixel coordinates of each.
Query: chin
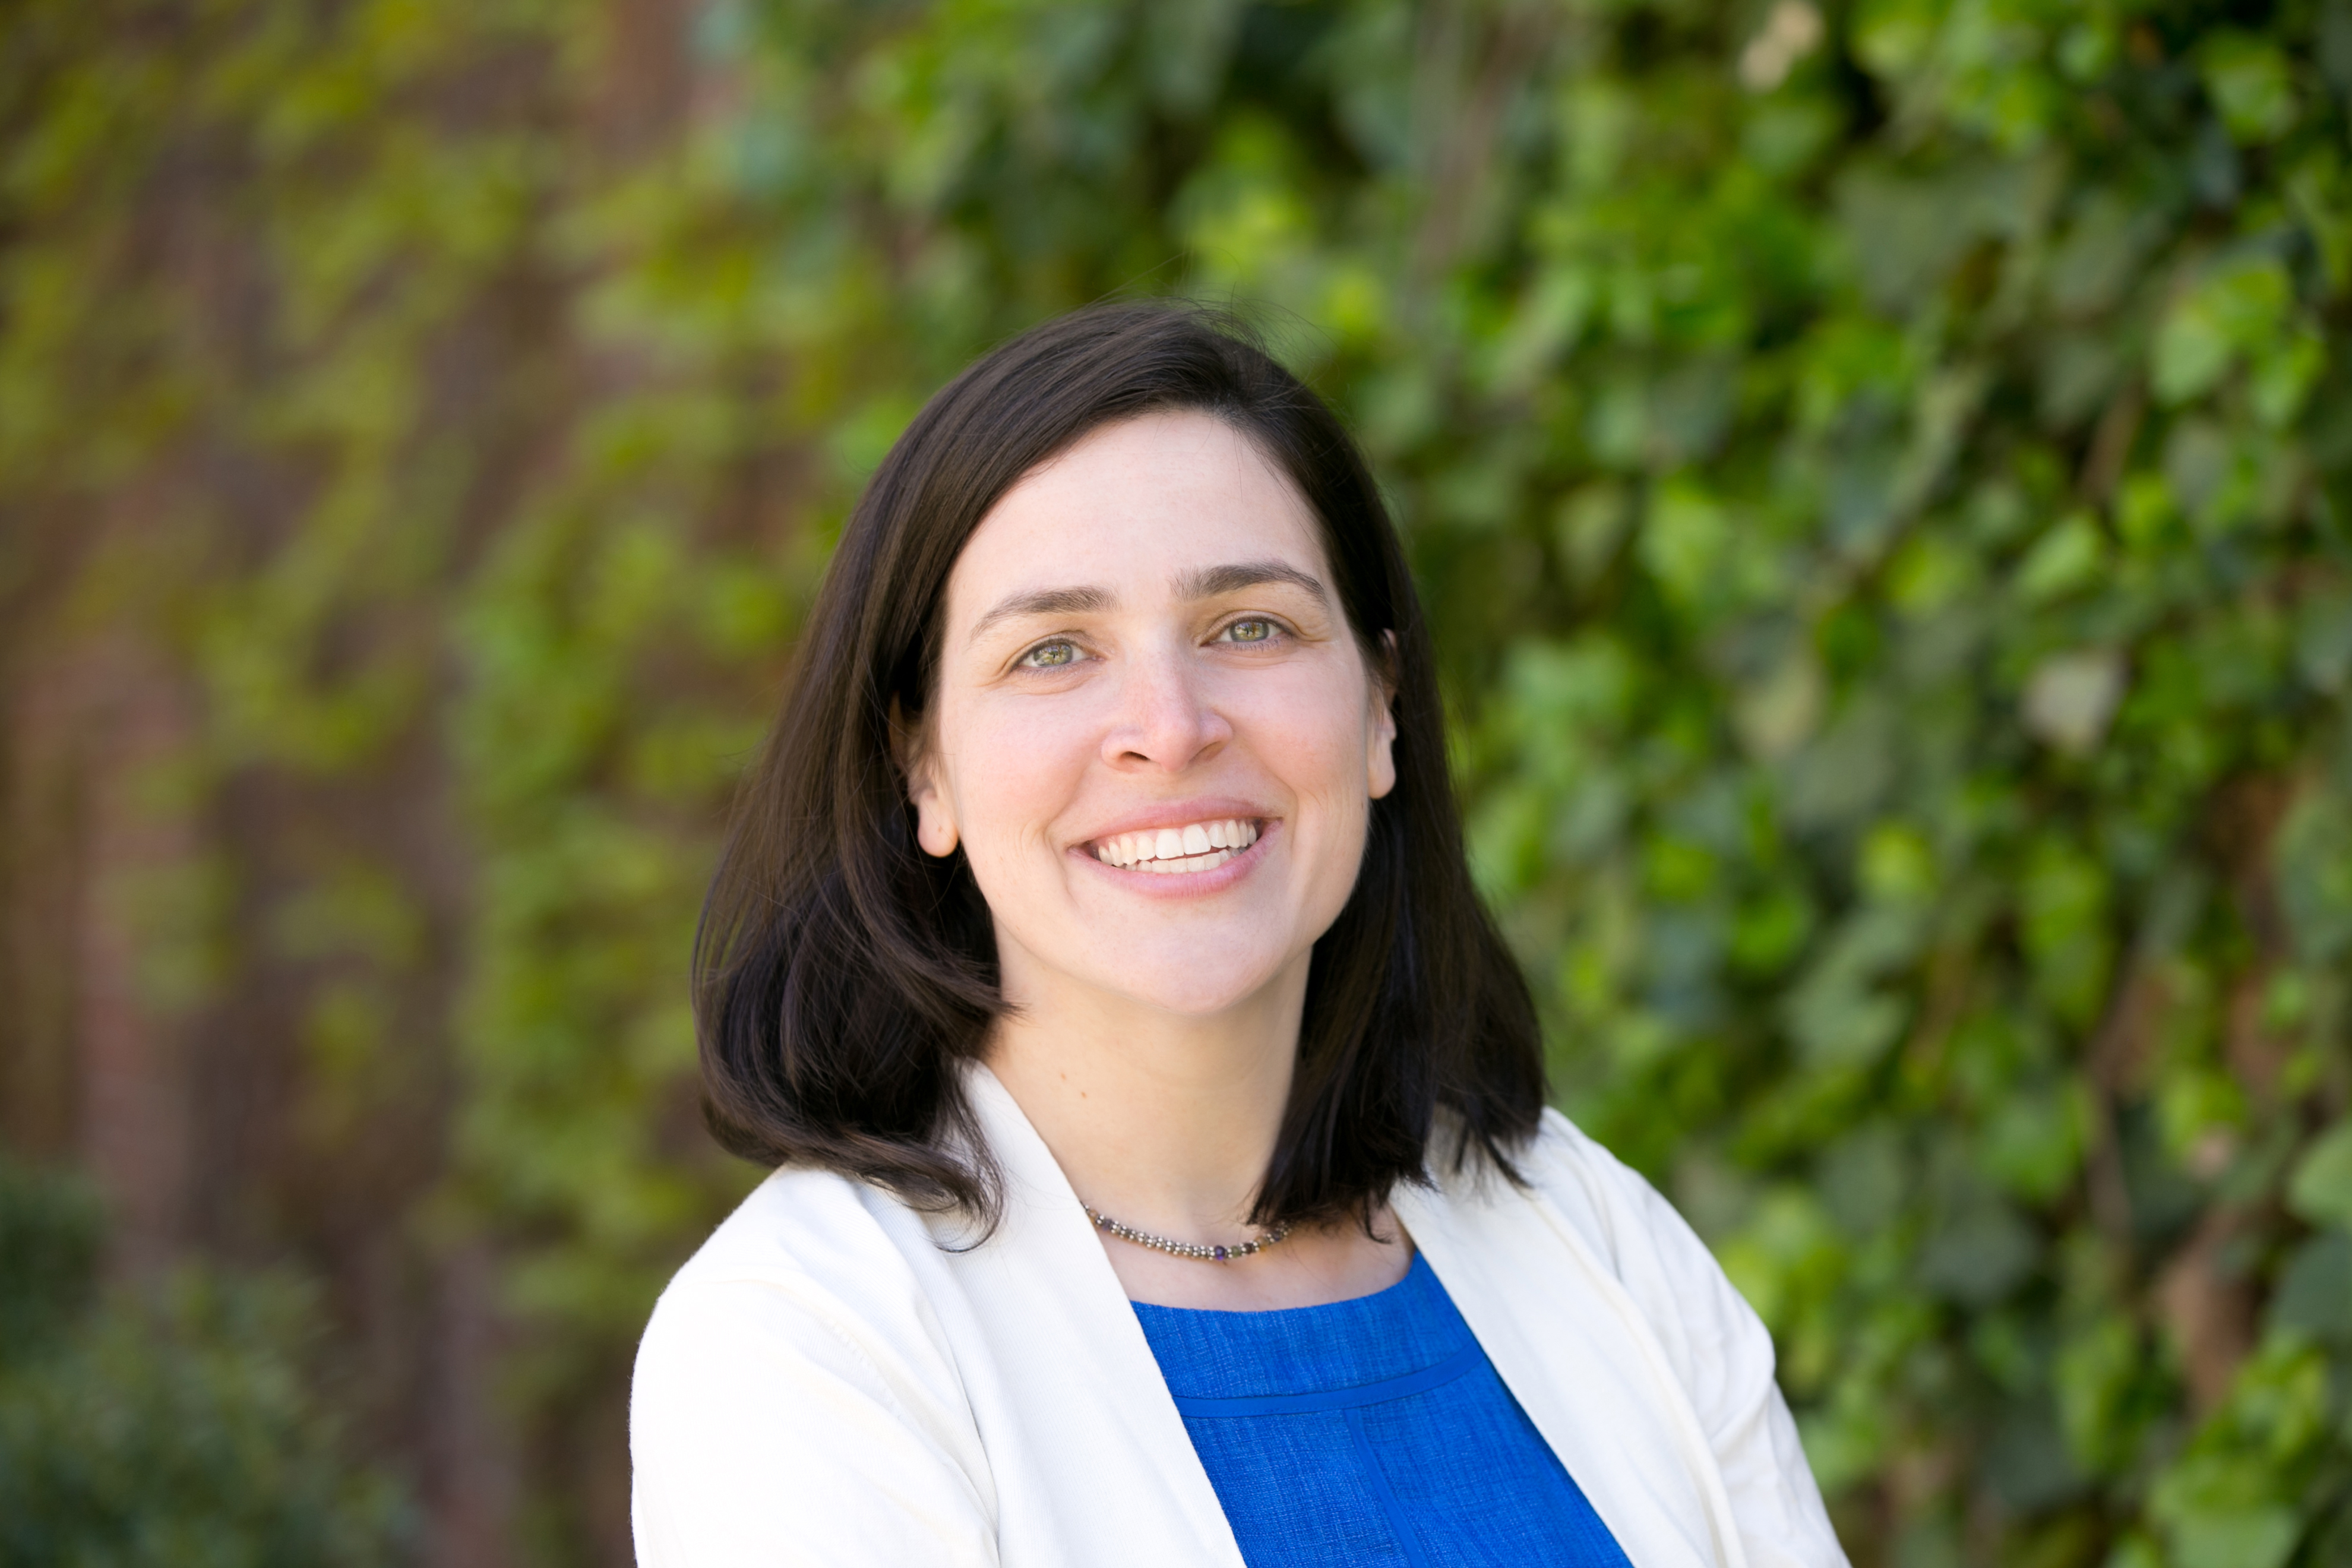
column 1177, row 986
column 1192, row 1004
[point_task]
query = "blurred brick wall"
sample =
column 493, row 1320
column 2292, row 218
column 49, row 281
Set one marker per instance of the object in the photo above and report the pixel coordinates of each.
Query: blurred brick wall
column 152, row 1006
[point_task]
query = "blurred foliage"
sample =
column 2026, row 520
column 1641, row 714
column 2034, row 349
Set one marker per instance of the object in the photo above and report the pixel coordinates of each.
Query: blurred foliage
column 172, row 1431
column 1879, row 473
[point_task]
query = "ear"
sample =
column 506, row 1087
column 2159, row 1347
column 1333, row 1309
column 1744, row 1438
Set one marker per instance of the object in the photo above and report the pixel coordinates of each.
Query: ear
column 935, row 826
column 1380, row 759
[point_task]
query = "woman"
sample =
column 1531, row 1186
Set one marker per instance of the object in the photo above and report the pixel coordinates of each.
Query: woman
column 1163, row 1175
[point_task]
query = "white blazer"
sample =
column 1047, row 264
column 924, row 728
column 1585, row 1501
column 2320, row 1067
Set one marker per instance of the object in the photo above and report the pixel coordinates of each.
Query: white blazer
column 827, row 1382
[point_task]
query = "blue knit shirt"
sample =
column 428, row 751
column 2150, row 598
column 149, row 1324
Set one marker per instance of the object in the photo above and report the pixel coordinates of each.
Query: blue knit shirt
column 1371, row 1433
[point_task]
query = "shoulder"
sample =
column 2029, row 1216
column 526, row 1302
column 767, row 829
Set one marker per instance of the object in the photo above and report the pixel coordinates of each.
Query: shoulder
column 794, row 1373
column 794, row 1224
column 809, row 1262
column 1708, row 1332
column 1613, row 1208
column 1716, row 1345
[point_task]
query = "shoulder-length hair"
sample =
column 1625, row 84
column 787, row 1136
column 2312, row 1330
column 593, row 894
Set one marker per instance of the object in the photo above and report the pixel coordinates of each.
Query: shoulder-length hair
column 842, row 976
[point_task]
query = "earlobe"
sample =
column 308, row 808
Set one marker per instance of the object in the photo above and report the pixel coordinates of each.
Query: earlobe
column 935, row 827
column 1381, row 761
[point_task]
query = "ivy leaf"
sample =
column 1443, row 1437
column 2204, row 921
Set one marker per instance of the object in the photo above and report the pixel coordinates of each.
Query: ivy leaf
column 2321, row 1188
column 2251, row 84
column 2237, row 308
column 2067, row 558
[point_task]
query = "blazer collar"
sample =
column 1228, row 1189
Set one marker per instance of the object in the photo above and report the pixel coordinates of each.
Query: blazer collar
column 1102, row 1428
column 1558, row 1325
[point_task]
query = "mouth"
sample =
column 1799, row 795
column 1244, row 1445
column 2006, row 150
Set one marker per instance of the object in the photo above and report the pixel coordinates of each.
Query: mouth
column 1189, row 850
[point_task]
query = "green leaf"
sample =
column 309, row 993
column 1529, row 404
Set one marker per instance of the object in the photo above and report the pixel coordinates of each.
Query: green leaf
column 2249, row 1538
column 2252, row 85
column 1687, row 542
column 2315, row 1293
column 2321, row 1187
column 2070, row 557
column 2313, row 862
column 2236, row 309
column 2094, row 1376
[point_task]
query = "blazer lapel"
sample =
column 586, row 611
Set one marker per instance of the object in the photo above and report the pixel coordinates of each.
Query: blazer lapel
column 1565, row 1340
column 1096, row 1418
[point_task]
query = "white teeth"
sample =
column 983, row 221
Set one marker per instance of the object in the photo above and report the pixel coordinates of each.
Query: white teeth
column 1196, row 846
column 1209, row 861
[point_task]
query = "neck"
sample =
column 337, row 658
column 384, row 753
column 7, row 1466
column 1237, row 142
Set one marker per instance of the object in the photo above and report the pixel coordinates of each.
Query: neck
column 1164, row 1121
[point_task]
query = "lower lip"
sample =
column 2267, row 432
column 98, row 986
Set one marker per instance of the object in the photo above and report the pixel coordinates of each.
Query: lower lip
column 1185, row 884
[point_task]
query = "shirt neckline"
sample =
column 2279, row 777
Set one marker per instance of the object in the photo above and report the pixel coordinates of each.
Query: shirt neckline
column 1387, row 1295
column 1406, row 1331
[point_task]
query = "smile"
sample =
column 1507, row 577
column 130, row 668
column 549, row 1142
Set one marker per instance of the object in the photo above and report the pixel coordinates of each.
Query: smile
column 1179, row 851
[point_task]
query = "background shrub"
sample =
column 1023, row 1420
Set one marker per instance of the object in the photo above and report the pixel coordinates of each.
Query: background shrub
column 177, row 1431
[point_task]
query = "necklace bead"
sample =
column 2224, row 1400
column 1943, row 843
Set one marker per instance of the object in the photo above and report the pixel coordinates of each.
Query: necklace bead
column 1263, row 1240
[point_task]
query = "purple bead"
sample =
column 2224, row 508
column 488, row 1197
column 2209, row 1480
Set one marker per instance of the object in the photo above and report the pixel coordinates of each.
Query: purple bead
column 1221, row 1255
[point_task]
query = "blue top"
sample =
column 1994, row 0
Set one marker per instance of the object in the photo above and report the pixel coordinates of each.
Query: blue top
column 1372, row 1433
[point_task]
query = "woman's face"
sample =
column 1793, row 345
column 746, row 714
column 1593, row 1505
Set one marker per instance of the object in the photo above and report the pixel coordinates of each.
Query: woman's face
column 1155, row 735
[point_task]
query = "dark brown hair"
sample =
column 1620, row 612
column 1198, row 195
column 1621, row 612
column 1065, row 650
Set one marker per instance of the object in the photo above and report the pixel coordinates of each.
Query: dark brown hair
column 842, row 974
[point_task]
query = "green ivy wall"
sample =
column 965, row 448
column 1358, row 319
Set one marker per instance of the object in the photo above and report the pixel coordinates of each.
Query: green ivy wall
column 1882, row 474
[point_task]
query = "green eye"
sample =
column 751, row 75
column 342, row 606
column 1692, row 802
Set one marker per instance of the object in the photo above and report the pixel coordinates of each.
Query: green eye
column 1250, row 631
column 1050, row 656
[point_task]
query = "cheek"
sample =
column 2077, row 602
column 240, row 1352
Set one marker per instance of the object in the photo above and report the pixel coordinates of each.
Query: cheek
column 1311, row 735
column 1010, row 768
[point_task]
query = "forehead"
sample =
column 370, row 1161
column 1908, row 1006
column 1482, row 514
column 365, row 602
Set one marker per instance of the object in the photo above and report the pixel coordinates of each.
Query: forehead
column 1133, row 505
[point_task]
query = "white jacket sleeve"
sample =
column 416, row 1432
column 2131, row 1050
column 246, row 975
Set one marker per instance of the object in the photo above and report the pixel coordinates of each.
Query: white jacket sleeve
column 767, row 1428
column 1722, row 1354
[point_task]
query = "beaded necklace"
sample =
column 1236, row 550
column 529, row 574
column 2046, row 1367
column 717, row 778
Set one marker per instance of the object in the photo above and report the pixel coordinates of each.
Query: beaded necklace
column 1265, row 1239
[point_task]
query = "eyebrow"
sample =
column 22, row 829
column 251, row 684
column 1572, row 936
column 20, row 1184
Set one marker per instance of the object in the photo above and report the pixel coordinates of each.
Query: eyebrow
column 1212, row 580
column 1207, row 583
column 1047, row 602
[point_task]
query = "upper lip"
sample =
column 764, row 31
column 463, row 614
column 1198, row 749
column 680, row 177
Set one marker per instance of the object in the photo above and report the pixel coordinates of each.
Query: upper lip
column 1182, row 813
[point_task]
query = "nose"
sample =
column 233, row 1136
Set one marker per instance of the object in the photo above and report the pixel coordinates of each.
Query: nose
column 1164, row 719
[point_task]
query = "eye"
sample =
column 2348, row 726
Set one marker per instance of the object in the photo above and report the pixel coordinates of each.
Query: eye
column 1253, row 629
column 1058, row 654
